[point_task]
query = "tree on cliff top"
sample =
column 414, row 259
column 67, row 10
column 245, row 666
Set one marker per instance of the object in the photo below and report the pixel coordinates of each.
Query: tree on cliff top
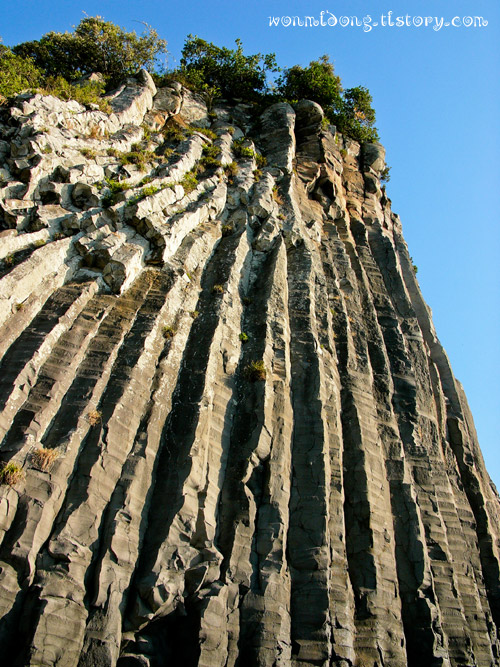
column 16, row 73
column 95, row 45
column 350, row 110
column 234, row 74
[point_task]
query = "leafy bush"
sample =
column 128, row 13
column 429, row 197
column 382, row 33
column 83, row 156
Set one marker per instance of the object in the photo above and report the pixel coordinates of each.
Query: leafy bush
column 16, row 73
column 230, row 71
column 350, row 110
column 87, row 93
column 318, row 82
column 356, row 116
column 95, row 45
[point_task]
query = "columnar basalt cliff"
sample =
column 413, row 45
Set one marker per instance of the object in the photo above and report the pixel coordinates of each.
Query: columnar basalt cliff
column 230, row 433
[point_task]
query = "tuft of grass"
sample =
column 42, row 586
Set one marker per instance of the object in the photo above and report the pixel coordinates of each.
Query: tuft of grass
column 231, row 169
column 194, row 314
column 40, row 243
column 218, row 289
column 44, row 458
column 114, row 189
column 19, row 306
column 244, row 337
column 227, row 230
column 149, row 190
column 242, row 151
column 255, row 371
column 257, row 174
column 94, row 417
column 260, row 160
column 88, row 153
column 210, row 150
column 173, row 132
column 11, row 473
column 277, row 196
column 203, row 130
column 8, row 260
column 168, row 332
column 137, row 156
column 189, row 182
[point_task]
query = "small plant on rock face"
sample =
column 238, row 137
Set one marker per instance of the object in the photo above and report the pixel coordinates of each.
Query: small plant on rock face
column 243, row 337
column 168, row 332
column 218, row 289
column 242, row 151
column 385, row 175
column 260, row 160
column 94, row 417
column 11, row 473
column 194, row 314
column 231, row 170
column 203, row 130
column 189, row 182
column 255, row 371
column 44, row 458
column 88, row 153
column 227, row 230
column 277, row 196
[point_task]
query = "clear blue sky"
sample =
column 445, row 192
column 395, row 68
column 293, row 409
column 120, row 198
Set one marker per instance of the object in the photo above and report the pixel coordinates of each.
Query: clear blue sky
column 437, row 97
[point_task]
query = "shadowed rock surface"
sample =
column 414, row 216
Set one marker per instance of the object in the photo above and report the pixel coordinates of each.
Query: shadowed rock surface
column 179, row 506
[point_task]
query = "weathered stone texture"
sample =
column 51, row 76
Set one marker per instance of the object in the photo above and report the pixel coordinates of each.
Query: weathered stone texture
column 333, row 509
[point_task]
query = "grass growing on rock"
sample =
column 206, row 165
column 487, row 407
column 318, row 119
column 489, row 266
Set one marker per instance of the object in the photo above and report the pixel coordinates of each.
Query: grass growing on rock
column 11, row 473
column 94, row 417
column 255, row 371
column 44, row 458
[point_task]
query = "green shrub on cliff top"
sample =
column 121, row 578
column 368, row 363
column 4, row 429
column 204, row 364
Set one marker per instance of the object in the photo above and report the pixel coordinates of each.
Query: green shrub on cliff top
column 207, row 66
column 16, row 73
column 350, row 110
column 95, row 45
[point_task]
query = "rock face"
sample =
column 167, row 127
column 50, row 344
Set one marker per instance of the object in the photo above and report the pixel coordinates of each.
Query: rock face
column 241, row 441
